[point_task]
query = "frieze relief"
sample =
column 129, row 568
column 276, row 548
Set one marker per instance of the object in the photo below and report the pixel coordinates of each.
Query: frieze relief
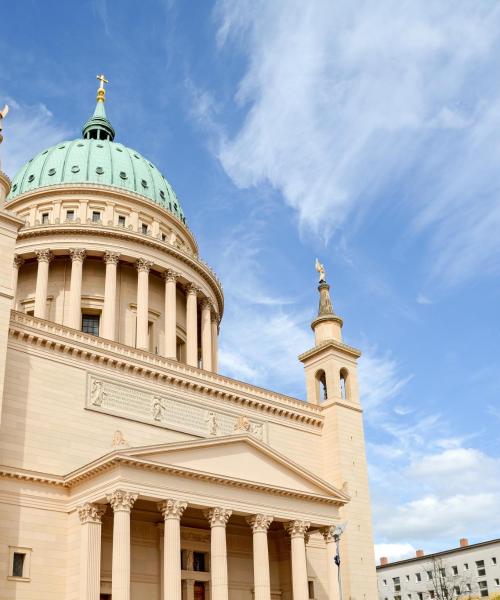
column 167, row 411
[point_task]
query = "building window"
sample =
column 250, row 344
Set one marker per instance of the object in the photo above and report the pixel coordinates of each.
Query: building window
column 497, row 581
column 494, row 560
column 90, row 324
column 429, row 575
column 466, row 566
column 418, row 577
column 385, row 582
column 407, row 578
column 163, row 237
column 469, row 587
column 420, row 595
column 70, row 215
column 457, row 590
column 442, row 572
column 481, row 571
column 432, row 594
column 96, row 216
column 121, row 220
column 344, row 384
column 455, row 570
column 19, row 563
column 310, row 588
column 321, row 388
column 483, row 588
column 45, row 218
column 199, row 561
column 144, row 229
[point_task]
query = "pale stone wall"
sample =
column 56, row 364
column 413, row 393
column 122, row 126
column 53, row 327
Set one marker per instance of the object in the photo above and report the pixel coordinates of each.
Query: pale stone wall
column 45, row 532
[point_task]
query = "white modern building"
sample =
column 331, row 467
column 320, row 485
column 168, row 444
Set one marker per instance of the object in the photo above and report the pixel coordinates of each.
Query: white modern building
column 468, row 571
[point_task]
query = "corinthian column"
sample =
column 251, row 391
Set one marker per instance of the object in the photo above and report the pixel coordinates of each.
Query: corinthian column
column 122, row 503
column 143, row 267
column 218, row 518
column 75, row 289
column 191, row 325
column 262, row 585
column 206, row 334
column 170, row 349
column 215, row 335
column 172, row 512
column 297, row 531
column 90, row 550
column 109, row 307
column 18, row 263
column 42, row 280
column 331, row 551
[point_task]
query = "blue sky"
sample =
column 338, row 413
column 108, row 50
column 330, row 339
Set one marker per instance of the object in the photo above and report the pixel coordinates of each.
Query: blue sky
column 367, row 134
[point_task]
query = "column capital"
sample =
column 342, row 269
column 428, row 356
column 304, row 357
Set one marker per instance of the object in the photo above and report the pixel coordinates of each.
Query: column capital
column 77, row 254
column 297, row 528
column 259, row 523
column 172, row 509
column 329, row 533
column 91, row 512
column 214, row 316
column 170, row 275
column 111, row 257
column 143, row 264
column 192, row 289
column 206, row 304
column 44, row 255
column 217, row 516
column 121, row 500
column 18, row 261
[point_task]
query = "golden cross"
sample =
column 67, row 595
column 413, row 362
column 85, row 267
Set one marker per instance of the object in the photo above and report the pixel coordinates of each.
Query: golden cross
column 103, row 80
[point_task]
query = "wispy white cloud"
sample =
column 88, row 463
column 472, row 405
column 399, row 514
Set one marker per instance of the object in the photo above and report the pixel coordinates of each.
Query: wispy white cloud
column 263, row 333
column 342, row 98
column 27, row 131
column 394, row 551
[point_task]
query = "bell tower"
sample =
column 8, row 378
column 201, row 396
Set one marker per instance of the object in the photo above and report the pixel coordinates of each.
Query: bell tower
column 331, row 382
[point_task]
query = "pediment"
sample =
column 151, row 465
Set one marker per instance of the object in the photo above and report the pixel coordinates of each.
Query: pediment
column 238, row 458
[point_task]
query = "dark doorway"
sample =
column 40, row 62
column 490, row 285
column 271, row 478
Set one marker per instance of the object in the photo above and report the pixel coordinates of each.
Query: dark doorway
column 199, row 590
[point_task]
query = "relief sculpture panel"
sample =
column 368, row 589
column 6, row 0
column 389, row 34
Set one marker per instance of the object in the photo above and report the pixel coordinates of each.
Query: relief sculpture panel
column 166, row 410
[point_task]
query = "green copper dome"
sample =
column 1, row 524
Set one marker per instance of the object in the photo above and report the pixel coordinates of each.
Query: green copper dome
column 96, row 159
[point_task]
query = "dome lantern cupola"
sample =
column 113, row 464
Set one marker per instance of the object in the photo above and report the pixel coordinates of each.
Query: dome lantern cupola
column 98, row 126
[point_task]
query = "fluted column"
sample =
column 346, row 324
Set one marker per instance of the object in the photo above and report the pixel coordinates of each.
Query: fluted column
column 215, row 340
column 206, row 334
column 143, row 268
column 170, row 349
column 75, row 289
column 192, row 325
column 172, row 512
column 109, row 307
column 90, row 550
column 161, row 527
column 122, row 503
column 218, row 518
column 261, row 580
column 42, row 281
column 297, row 531
column 18, row 263
column 333, row 572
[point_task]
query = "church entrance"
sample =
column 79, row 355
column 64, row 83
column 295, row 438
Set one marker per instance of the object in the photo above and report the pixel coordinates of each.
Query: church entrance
column 199, row 590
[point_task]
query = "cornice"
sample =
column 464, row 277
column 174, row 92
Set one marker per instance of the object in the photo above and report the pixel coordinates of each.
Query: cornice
column 118, row 233
column 105, row 353
column 116, row 460
column 330, row 344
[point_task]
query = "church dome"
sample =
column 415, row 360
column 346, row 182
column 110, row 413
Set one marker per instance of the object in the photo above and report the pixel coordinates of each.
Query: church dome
column 97, row 160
